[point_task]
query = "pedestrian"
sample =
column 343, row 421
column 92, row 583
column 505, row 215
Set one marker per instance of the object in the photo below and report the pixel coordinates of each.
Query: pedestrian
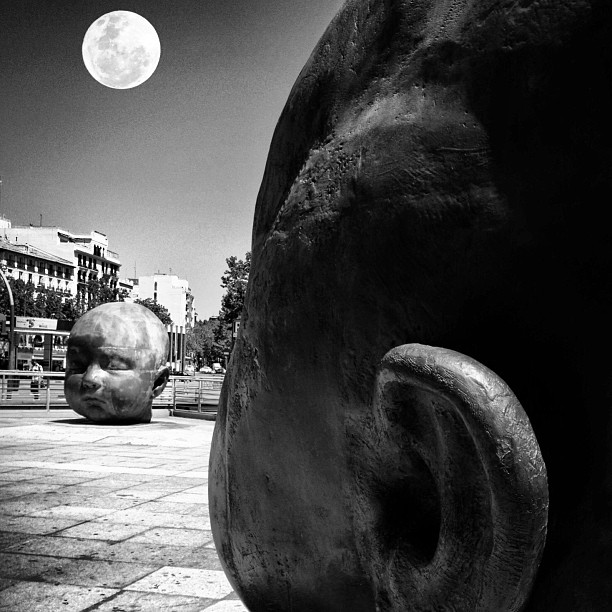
column 36, row 382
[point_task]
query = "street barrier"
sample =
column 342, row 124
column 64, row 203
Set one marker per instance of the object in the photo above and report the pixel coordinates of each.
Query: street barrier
column 18, row 389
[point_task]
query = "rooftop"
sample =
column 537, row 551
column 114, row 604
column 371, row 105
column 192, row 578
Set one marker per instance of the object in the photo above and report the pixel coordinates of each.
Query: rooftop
column 31, row 251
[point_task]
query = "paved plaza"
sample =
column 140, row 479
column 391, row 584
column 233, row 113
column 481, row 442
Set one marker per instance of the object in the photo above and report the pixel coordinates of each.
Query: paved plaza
column 107, row 518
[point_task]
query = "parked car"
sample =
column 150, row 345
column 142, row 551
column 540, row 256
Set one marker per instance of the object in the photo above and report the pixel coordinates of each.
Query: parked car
column 206, row 370
column 218, row 368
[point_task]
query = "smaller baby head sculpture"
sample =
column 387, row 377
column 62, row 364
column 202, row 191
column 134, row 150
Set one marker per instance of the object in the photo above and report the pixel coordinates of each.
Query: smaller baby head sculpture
column 115, row 363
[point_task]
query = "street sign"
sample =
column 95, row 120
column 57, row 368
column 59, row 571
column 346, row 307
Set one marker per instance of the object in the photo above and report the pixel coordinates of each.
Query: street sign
column 35, row 323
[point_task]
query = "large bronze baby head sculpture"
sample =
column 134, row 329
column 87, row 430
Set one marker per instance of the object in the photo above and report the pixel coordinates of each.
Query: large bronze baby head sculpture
column 439, row 177
column 116, row 363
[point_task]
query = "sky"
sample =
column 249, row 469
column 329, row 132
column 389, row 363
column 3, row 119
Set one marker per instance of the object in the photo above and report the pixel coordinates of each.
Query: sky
column 170, row 169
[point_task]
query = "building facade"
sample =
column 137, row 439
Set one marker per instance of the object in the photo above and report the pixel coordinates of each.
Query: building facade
column 88, row 254
column 42, row 269
column 73, row 264
column 171, row 292
column 36, row 338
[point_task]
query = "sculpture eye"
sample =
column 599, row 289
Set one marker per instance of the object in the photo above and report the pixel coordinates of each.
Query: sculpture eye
column 115, row 362
column 76, row 363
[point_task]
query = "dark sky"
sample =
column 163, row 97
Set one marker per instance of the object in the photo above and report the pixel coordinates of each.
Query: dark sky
column 168, row 170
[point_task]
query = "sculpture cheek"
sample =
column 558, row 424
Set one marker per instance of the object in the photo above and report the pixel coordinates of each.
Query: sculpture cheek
column 72, row 383
column 130, row 391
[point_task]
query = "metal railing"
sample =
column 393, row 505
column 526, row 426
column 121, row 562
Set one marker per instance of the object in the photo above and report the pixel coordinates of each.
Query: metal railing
column 18, row 388
column 199, row 393
column 39, row 389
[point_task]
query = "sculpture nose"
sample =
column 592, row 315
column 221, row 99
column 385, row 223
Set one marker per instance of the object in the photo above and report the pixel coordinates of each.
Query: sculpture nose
column 92, row 379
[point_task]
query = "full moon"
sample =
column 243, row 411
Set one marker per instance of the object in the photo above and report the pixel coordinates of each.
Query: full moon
column 121, row 49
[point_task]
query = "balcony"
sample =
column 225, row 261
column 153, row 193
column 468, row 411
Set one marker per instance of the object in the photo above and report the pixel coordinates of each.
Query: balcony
column 112, row 256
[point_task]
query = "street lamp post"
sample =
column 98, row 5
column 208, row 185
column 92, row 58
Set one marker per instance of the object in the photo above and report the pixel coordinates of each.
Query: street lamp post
column 11, row 361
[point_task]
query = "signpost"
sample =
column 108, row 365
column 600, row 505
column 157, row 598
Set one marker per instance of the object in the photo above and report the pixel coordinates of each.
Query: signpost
column 11, row 326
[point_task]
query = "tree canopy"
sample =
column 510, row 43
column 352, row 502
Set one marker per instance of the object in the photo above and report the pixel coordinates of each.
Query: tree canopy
column 211, row 341
column 43, row 302
column 48, row 303
column 234, row 281
column 163, row 314
column 208, row 341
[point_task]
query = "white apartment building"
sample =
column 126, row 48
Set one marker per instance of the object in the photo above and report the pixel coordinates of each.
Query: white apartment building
column 32, row 265
column 171, row 292
column 88, row 253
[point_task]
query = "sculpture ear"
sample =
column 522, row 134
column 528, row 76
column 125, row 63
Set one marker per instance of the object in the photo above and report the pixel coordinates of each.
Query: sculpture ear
column 161, row 380
column 457, row 498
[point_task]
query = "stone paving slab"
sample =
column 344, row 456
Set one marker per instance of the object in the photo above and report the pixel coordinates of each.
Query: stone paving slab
column 138, row 516
column 35, row 525
column 103, row 531
column 25, row 596
column 185, row 581
column 126, row 601
column 227, row 605
column 69, row 548
column 107, row 518
column 187, row 498
column 175, row 508
column 8, row 538
column 169, row 536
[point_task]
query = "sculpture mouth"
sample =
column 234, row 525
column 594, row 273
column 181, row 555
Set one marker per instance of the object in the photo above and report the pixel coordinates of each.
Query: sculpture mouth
column 94, row 402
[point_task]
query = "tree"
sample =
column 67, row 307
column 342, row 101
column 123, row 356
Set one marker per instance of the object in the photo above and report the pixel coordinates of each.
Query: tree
column 161, row 311
column 234, row 281
column 99, row 293
column 213, row 341
column 23, row 295
column 208, row 341
column 39, row 309
column 48, row 303
column 4, row 298
column 70, row 310
column 223, row 342
column 122, row 294
column 53, row 305
column 199, row 341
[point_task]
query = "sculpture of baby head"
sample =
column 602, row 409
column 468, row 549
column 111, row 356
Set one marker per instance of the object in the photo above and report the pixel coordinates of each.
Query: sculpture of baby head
column 115, row 363
column 436, row 179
